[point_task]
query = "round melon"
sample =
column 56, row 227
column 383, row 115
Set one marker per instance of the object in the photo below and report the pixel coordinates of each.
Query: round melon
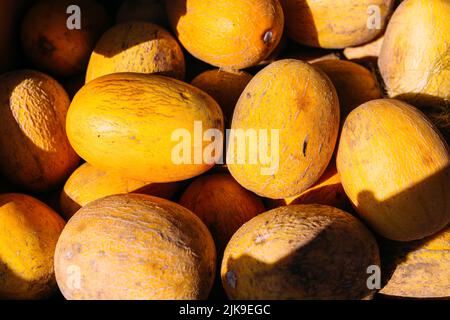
column 135, row 247
column 354, row 84
column 335, row 24
column 284, row 130
column 415, row 57
column 225, row 87
column 145, row 127
column 34, row 150
column 395, row 168
column 222, row 204
column 49, row 43
column 29, row 232
column 89, row 183
column 231, row 34
column 136, row 46
column 300, row 252
column 417, row 269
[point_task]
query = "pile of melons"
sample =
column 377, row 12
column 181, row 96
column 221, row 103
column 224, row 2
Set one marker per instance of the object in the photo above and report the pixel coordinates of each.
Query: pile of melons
column 95, row 94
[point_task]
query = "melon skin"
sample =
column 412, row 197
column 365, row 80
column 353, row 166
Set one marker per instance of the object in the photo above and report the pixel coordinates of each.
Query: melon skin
column 418, row 269
column 300, row 252
column 136, row 46
column 334, row 24
column 89, row 183
column 35, row 153
column 327, row 191
column 135, row 247
column 51, row 46
column 28, row 239
column 124, row 123
column 395, row 169
column 354, row 84
column 222, row 204
column 300, row 103
column 225, row 87
column 415, row 60
column 229, row 34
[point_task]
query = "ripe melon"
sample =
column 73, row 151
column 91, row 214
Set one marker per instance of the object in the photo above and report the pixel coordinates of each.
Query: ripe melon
column 222, row 204
column 225, row 87
column 415, row 57
column 395, row 168
column 230, row 34
column 29, row 232
column 418, row 269
column 89, row 183
column 51, row 46
column 335, row 24
column 125, row 123
column 135, row 247
column 354, row 84
column 299, row 103
column 136, row 46
column 34, row 150
column 300, row 252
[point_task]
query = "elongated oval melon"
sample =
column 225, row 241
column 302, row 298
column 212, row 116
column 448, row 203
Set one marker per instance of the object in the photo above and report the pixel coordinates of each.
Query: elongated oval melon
column 129, row 124
column 395, row 168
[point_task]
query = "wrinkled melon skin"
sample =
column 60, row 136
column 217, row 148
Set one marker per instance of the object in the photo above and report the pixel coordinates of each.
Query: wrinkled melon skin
column 395, row 168
column 229, row 34
column 300, row 252
column 415, row 56
column 124, row 123
column 300, row 102
column 418, row 269
column 35, row 153
column 135, row 247
column 29, row 232
column 136, row 46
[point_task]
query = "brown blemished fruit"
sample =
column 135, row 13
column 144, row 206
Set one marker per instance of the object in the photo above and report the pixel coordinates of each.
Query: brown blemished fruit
column 230, row 34
column 415, row 56
column 49, row 43
column 222, row 204
column 35, row 153
column 144, row 127
column 300, row 252
column 135, row 247
column 136, row 46
column 225, row 87
column 335, row 24
column 395, row 169
column 89, row 183
column 29, row 232
column 285, row 128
